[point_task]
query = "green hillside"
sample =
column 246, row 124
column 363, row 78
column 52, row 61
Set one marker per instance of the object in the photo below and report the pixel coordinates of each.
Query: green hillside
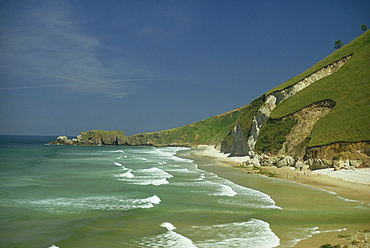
column 348, row 121
column 208, row 131
column 349, row 87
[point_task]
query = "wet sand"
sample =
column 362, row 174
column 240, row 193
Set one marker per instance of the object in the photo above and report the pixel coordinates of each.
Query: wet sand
column 347, row 188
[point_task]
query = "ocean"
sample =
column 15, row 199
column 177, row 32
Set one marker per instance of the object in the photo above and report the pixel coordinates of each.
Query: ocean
column 110, row 196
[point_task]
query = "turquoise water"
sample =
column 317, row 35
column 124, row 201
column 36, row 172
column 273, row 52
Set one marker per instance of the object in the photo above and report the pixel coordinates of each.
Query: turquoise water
column 74, row 196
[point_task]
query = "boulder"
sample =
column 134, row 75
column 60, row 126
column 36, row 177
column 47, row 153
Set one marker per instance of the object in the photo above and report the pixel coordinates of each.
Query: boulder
column 299, row 165
column 316, row 163
column 62, row 138
column 337, row 165
column 355, row 163
column 285, row 161
column 264, row 156
column 306, row 167
column 254, row 161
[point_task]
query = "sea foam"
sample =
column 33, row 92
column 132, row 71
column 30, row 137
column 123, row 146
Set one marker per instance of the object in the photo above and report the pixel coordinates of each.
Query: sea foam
column 127, row 174
column 226, row 191
column 252, row 233
column 82, row 204
column 152, row 176
column 168, row 226
column 168, row 239
column 120, row 151
column 117, row 164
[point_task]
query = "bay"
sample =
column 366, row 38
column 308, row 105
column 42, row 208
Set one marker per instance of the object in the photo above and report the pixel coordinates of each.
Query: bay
column 75, row 196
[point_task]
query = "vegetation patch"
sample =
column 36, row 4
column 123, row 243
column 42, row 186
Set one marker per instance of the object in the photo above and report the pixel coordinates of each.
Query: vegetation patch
column 101, row 133
column 330, row 246
column 357, row 239
column 273, row 134
column 208, row 131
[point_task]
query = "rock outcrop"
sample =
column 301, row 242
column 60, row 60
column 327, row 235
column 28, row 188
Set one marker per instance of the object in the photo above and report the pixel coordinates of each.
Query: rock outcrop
column 117, row 138
column 295, row 153
column 94, row 138
column 249, row 131
column 238, row 145
column 345, row 154
column 306, row 119
column 273, row 99
column 304, row 165
column 270, row 102
column 293, row 150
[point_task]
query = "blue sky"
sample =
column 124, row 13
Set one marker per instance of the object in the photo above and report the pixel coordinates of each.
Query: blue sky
column 142, row 66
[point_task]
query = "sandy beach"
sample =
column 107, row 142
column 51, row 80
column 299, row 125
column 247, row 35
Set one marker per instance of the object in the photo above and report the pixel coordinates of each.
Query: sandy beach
column 349, row 184
column 352, row 184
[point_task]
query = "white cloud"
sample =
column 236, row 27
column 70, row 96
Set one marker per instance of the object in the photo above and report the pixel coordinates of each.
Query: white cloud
column 49, row 44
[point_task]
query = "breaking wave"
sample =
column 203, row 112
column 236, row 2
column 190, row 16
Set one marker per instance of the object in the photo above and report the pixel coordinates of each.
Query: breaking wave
column 94, row 203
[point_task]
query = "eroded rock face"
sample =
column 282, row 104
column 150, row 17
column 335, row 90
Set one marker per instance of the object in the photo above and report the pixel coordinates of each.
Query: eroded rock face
column 277, row 97
column 306, row 120
column 303, row 165
column 357, row 153
column 316, row 163
column 238, row 145
column 338, row 155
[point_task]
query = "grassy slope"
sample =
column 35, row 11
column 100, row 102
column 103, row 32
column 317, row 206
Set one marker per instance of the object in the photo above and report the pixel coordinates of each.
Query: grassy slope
column 349, row 120
column 273, row 135
column 349, row 87
column 87, row 135
column 208, row 131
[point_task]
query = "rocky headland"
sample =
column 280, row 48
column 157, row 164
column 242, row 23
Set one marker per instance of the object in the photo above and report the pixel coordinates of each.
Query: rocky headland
column 318, row 119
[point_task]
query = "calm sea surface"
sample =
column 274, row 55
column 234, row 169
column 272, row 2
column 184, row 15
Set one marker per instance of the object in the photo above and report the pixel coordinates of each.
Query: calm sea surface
column 75, row 196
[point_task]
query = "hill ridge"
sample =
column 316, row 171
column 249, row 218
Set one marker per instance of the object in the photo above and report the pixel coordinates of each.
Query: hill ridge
column 275, row 98
column 343, row 77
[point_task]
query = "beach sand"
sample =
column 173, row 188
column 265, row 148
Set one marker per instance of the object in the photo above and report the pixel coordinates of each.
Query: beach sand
column 353, row 185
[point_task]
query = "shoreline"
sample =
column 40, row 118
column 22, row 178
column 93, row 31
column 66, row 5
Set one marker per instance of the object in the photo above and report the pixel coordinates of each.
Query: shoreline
column 354, row 185
column 345, row 187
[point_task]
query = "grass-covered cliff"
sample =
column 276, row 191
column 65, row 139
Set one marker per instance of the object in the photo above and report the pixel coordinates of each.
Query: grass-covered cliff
column 349, row 87
column 209, row 131
column 332, row 108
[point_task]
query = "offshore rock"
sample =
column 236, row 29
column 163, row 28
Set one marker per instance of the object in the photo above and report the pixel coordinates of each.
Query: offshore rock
column 63, row 140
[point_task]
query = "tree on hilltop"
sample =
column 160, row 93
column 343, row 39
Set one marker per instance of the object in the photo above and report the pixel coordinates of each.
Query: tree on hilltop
column 363, row 27
column 338, row 44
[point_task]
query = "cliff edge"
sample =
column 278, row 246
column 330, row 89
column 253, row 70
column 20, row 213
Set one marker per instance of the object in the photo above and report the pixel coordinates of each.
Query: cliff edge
column 318, row 119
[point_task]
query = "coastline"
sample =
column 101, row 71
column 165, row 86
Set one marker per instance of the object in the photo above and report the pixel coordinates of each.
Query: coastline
column 354, row 185
column 345, row 184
